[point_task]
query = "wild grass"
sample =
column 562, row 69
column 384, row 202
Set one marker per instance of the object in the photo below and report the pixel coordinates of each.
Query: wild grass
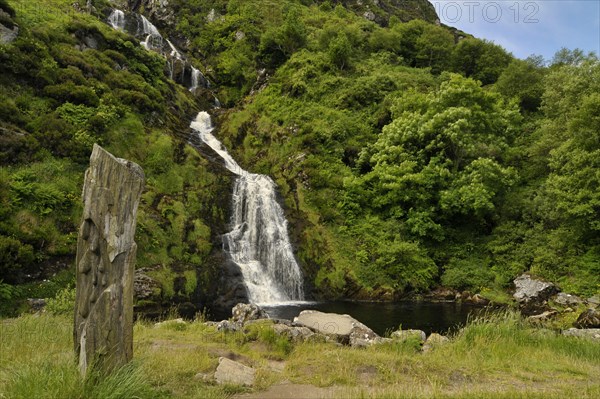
column 500, row 356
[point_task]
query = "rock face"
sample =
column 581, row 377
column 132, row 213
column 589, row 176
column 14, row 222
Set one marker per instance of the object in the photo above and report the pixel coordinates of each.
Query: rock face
column 106, row 250
column 588, row 319
column 230, row 372
column 532, row 294
column 340, row 327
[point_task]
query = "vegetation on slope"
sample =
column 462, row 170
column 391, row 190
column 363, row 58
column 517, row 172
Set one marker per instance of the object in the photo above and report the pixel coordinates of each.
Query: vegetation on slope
column 407, row 155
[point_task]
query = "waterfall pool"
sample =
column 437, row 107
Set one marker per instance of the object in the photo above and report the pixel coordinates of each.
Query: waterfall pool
column 439, row 317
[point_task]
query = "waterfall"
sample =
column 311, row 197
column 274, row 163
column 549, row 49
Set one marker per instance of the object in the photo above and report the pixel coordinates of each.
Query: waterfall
column 197, row 77
column 116, row 19
column 258, row 241
column 153, row 36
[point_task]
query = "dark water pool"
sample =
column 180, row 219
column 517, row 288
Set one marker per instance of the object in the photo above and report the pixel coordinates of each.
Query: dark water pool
column 381, row 317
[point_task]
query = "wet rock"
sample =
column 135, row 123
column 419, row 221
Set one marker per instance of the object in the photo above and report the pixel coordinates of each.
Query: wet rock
column 231, row 372
column 532, row 294
column 591, row 333
column 244, row 312
column 434, row 340
column 106, row 250
column 567, row 299
column 336, row 326
column 403, row 335
column 588, row 319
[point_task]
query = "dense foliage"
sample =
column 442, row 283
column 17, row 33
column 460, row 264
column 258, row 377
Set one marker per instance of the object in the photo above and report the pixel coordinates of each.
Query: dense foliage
column 408, row 155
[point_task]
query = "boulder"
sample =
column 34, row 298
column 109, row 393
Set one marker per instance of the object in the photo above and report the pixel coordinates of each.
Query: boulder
column 567, row 299
column 36, row 304
column 362, row 337
column 231, row 372
column 338, row 327
column 228, row 325
column 594, row 301
column 244, row 312
column 403, row 335
column 434, row 340
column 591, row 333
column 532, row 294
column 144, row 286
column 588, row 319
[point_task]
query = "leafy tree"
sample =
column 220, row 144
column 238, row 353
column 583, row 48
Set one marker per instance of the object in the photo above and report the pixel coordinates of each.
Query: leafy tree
column 523, row 80
column 442, row 156
column 479, row 59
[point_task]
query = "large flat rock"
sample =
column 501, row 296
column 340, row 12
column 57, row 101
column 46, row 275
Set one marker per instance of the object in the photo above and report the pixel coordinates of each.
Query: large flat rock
column 341, row 327
column 231, row 372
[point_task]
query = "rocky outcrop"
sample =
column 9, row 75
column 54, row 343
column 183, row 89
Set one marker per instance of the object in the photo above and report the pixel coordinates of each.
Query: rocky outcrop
column 8, row 29
column 232, row 372
column 588, row 319
column 103, row 329
column 533, row 294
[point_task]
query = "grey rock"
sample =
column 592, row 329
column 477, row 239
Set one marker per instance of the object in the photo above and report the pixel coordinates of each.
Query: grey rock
column 231, row 372
column 204, row 377
column 532, row 294
column 403, row 335
column 369, row 15
column 433, row 341
column 106, row 250
column 591, row 333
column 294, row 334
column 173, row 322
column 567, row 299
column 8, row 35
column 594, row 301
column 227, row 325
column 244, row 312
column 144, row 287
column 546, row 316
column 588, row 319
column 340, row 328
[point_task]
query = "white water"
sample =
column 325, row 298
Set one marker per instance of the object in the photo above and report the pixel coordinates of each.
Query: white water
column 116, row 19
column 196, row 78
column 153, row 37
column 258, row 242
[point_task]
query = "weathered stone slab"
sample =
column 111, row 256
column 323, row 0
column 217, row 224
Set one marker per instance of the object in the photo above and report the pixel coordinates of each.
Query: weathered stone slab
column 340, row 327
column 231, row 372
column 532, row 294
column 103, row 329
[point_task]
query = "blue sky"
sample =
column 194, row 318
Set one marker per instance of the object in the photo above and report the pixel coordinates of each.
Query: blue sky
column 527, row 27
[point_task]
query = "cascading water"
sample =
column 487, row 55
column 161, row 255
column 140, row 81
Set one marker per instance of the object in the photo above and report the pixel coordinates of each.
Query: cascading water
column 154, row 39
column 258, row 242
column 116, row 19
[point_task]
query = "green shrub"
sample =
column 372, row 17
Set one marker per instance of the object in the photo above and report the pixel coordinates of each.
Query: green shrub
column 62, row 303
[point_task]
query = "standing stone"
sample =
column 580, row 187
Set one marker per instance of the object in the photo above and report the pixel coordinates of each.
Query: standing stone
column 103, row 331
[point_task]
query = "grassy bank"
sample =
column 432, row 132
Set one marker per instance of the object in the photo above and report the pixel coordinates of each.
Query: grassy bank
column 501, row 358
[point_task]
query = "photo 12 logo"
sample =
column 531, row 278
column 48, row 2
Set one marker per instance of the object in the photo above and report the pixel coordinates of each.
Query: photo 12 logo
column 452, row 12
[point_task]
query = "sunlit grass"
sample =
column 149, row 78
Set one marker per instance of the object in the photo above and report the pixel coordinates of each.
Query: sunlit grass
column 497, row 357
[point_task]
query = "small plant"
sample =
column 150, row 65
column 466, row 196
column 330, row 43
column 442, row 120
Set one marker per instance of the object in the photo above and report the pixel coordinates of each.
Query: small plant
column 63, row 302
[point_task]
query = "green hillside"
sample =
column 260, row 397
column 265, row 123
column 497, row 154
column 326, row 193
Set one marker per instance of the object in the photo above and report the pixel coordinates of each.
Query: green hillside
column 407, row 156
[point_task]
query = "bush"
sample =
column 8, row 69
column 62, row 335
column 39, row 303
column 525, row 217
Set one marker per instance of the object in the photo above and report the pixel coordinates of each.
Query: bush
column 63, row 302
